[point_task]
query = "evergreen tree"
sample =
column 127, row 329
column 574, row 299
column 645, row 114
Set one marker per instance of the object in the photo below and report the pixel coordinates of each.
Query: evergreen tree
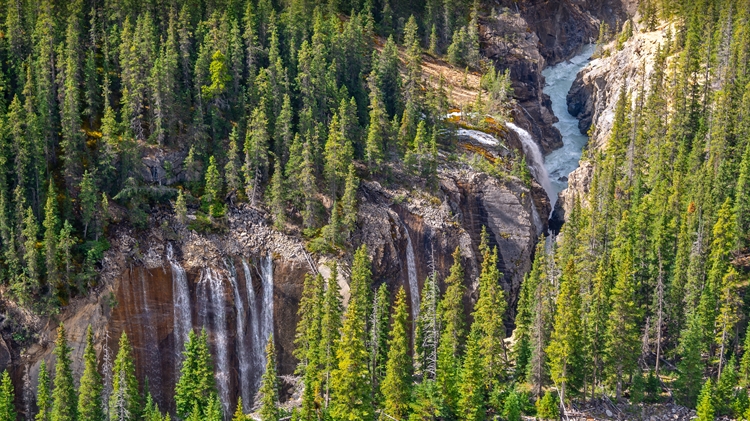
column 690, row 368
column 269, row 386
column 330, row 331
column 471, row 388
column 705, row 407
column 349, row 201
column 351, row 397
column 43, row 397
column 488, row 317
column 50, row 234
column 565, row 346
column 453, row 331
column 256, row 152
column 278, row 197
column 125, row 401
column 427, row 330
column 381, row 315
column 213, row 189
column 396, row 386
column 7, row 395
column 64, row 397
column 196, row 384
column 232, row 167
column 90, row 389
column 88, row 198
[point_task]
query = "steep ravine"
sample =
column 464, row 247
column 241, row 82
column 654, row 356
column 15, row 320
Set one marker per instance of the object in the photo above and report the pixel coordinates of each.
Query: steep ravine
column 245, row 284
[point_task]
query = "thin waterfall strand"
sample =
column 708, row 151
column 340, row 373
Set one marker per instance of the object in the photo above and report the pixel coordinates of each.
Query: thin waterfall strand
column 242, row 355
column 183, row 319
column 535, row 160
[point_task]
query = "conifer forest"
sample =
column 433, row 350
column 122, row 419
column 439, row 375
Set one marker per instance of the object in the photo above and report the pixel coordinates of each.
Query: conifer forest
column 361, row 210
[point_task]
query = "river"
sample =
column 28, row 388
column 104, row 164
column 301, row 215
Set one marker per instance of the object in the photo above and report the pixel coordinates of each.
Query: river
column 561, row 162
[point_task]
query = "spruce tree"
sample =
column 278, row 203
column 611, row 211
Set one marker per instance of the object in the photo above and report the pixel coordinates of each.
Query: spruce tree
column 196, row 384
column 330, row 331
column 381, row 315
column 90, row 389
column 125, row 402
column 452, row 334
column 269, row 386
column 351, row 397
column 471, row 389
column 64, row 394
column 43, row 397
column 690, row 367
column 50, row 234
column 349, row 201
column 278, row 196
column 89, row 200
column 7, row 395
column 213, row 188
column 705, row 409
column 488, row 317
column 232, row 168
column 213, row 410
column 565, row 346
column 396, row 386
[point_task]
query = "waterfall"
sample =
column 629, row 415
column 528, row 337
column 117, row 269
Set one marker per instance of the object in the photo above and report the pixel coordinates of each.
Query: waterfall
column 412, row 273
column 244, row 359
column 266, row 274
column 256, row 357
column 535, row 160
column 183, row 321
column 211, row 293
column 151, row 343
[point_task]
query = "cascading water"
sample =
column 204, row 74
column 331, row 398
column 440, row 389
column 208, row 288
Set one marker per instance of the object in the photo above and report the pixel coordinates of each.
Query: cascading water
column 151, row 343
column 534, row 155
column 183, row 319
column 256, row 356
column 412, row 273
column 559, row 78
column 211, row 294
column 266, row 274
column 242, row 355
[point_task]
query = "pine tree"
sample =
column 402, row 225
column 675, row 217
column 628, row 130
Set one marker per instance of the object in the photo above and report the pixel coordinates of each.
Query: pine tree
column 307, row 337
column 380, row 328
column 622, row 337
column 338, row 155
column 349, row 201
column 269, row 386
column 690, row 368
column 29, row 234
column 452, row 334
column 396, row 386
column 565, row 346
column 232, row 167
column 471, row 389
column 196, row 384
column 278, row 196
column 330, row 331
column 90, row 389
column 256, row 152
column 7, row 395
column 350, row 381
column 239, row 415
column 64, row 393
column 214, row 187
column 377, row 131
column 125, row 402
column 705, row 409
column 43, row 397
column 724, row 392
column 547, row 408
column 744, row 372
column 180, row 207
column 488, row 317
column 50, row 234
column 88, row 199
column 213, row 410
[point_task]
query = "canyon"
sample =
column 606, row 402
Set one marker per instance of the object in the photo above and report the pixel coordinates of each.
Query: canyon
column 243, row 285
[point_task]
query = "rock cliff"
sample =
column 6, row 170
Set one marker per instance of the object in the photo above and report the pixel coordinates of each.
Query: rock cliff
column 594, row 94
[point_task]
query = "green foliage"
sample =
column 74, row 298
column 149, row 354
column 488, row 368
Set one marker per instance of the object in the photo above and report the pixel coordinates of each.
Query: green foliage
column 43, row 397
column 548, row 408
column 512, row 407
column 196, row 384
column 7, row 394
column 125, row 400
column 90, row 389
column 64, row 399
column 705, row 409
column 269, row 386
column 471, row 388
column 396, row 386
